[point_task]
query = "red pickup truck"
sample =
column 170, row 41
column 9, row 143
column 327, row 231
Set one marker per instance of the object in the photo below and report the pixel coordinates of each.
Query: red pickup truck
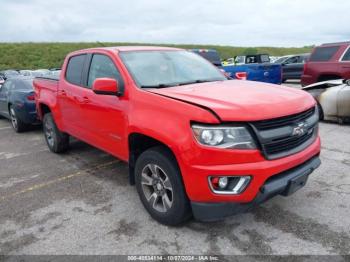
column 195, row 142
column 327, row 62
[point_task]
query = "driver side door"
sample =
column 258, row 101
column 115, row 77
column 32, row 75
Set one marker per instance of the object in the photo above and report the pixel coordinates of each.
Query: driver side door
column 104, row 116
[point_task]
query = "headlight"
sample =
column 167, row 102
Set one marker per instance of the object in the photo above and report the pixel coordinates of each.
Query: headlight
column 237, row 137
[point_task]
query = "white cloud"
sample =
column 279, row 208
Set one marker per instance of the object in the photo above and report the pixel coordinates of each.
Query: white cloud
column 225, row 22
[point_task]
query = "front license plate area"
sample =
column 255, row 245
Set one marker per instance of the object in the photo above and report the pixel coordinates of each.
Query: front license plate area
column 296, row 183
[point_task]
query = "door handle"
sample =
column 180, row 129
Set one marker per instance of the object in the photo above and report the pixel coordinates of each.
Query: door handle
column 85, row 100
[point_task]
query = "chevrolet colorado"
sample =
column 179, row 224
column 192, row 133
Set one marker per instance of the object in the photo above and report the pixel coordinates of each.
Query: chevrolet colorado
column 195, row 142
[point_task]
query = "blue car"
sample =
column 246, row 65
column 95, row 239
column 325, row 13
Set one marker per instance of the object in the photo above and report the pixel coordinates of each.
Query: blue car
column 17, row 102
column 255, row 68
column 252, row 67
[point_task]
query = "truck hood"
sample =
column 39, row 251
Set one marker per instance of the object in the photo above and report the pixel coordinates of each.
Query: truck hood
column 238, row 100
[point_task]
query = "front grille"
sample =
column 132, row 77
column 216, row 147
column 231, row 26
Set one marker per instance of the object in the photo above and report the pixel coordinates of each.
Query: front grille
column 286, row 144
column 278, row 138
column 284, row 121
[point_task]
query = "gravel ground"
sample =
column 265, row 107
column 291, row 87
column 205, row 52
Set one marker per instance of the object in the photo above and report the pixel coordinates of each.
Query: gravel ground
column 80, row 203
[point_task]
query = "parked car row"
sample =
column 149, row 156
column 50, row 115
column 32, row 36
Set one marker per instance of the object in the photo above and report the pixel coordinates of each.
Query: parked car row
column 5, row 74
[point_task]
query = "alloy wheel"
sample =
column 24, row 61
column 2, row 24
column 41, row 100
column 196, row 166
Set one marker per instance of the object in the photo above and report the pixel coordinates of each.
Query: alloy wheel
column 157, row 188
column 13, row 118
column 49, row 133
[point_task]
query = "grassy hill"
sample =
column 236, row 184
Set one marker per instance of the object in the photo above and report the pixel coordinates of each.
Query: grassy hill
column 48, row 55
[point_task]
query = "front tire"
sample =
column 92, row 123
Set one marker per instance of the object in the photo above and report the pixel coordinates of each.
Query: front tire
column 56, row 140
column 160, row 187
column 17, row 124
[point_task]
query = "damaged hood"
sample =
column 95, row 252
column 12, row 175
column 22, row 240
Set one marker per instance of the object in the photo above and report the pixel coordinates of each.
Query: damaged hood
column 238, row 100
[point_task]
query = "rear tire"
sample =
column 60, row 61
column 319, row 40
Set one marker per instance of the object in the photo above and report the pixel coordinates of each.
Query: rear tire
column 160, row 187
column 17, row 124
column 56, row 140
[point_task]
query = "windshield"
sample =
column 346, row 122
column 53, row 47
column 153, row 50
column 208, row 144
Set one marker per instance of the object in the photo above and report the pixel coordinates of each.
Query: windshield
column 169, row 68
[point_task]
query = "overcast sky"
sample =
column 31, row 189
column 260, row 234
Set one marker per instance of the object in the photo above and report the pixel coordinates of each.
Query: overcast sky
column 224, row 22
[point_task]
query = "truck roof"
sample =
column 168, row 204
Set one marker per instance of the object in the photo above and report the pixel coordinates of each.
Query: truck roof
column 336, row 43
column 133, row 48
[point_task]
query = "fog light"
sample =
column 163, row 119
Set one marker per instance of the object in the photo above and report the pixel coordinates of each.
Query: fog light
column 223, row 181
column 228, row 184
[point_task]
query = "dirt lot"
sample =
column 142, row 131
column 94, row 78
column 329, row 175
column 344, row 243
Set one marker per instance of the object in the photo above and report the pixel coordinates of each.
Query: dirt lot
column 80, row 203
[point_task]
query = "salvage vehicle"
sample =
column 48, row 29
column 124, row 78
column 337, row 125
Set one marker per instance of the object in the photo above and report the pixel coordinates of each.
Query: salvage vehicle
column 292, row 66
column 255, row 68
column 333, row 98
column 17, row 102
column 327, row 62
column 195, row 142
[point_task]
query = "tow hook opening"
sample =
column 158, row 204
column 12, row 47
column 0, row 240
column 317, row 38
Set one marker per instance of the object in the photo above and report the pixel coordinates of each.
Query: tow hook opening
column 228, row 185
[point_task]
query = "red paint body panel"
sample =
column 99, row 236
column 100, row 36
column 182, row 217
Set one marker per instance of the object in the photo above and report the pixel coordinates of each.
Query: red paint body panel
column 106, row 122
column 243, row 100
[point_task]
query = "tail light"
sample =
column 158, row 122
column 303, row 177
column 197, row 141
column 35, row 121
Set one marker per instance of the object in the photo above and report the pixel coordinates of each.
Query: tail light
column 241, row 75
column 31, row 97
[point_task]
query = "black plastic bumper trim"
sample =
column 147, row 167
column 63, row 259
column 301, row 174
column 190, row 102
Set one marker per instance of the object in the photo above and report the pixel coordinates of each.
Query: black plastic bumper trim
column 279, row 184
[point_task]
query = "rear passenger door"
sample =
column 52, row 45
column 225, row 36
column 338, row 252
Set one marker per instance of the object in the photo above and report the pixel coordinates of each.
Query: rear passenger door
column 70, row 95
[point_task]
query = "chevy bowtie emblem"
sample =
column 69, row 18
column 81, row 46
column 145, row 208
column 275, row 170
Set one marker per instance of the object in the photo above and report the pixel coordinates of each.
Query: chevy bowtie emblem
column 300, row 129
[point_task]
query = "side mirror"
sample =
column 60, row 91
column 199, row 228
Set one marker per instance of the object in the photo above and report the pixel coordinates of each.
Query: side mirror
column 106, row 86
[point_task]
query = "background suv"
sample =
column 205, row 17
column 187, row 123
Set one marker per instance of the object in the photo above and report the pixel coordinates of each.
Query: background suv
column 328, row 61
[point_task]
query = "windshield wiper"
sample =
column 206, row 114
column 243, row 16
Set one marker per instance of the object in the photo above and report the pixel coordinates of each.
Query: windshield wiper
column 159, row 85
column 199, row 81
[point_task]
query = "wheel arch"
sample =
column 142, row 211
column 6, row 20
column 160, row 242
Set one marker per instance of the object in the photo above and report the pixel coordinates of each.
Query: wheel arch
column 139, row 143
column 43, row 109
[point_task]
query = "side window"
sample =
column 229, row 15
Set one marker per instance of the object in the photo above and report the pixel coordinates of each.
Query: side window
column 303, row 59
column 292, row 60
column 103, row 66
column 346, row 56
column 75, row 69
column 324, row 53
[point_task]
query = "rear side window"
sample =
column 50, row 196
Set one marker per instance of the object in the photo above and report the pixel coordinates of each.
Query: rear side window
column 75, row 69
column 346, row 56
column 323, row 53
column 103, row 66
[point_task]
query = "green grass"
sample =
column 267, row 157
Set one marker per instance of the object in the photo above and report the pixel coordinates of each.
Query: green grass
column 49, row 55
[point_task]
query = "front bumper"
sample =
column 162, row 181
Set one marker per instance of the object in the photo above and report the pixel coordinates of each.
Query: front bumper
column 284, row 183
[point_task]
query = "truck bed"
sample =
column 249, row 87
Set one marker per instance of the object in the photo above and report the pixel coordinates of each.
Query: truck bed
column 45, row 89
column 266, row 72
